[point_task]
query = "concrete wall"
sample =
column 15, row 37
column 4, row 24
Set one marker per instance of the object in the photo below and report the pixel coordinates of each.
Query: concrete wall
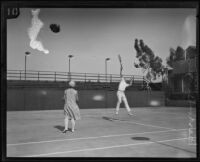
column 51, row 97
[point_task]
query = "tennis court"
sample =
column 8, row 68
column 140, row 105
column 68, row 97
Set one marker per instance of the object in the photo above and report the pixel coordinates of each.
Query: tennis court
column 151, row 132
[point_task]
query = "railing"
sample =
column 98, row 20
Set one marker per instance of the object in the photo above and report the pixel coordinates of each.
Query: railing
column 65, row 76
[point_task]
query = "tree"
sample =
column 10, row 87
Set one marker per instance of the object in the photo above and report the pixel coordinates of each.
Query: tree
column 180, row 54
column 191, row 52
column 175, row 55
column 147, row 60
column 171, row 57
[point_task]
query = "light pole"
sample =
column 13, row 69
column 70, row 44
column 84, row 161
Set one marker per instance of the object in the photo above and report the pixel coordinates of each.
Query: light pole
column 70, row 56
column 107, row 59
column 26, row 54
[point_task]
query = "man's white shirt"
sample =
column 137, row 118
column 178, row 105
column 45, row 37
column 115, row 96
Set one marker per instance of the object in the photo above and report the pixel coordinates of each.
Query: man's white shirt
column 122, row 85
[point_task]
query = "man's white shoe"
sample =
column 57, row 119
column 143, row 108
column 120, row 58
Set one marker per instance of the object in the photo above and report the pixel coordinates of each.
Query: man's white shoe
column 130, row 113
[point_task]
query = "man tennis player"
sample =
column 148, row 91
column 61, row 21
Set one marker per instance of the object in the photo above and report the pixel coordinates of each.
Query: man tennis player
column 121, row 95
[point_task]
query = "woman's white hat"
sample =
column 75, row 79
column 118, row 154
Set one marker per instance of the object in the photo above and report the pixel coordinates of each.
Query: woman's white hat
column 72, row 83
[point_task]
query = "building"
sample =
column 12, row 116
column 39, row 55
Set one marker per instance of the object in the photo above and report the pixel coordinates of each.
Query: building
column 183, row 79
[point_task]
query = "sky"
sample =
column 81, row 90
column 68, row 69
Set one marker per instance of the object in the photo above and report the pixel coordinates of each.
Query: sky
column 93, row 34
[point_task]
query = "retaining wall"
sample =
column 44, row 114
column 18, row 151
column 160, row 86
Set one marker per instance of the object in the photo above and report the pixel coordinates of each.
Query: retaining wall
column 42, row 96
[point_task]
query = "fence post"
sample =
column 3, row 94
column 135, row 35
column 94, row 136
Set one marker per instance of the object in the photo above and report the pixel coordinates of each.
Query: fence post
column 20, row 75
column 71, row 76
column 110, row 77
column 55, row 76
column 143, row 80
column 85, row 77
column 98, row 78
column 38, row 75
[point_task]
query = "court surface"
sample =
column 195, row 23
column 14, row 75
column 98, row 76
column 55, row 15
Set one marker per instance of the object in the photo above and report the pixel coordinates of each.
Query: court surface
column 150, row 132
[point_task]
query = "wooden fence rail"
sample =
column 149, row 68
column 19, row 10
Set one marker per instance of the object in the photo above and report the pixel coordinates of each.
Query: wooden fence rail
column 65, row 76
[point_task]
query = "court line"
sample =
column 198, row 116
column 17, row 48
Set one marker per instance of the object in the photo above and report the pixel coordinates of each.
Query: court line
column 93, row 137
column 149, row 125
column 139, row 123
column 183, row 113
column 102, row 148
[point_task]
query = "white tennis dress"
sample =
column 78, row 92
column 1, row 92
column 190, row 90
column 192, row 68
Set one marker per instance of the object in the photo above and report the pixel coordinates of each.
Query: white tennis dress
column 71, row 108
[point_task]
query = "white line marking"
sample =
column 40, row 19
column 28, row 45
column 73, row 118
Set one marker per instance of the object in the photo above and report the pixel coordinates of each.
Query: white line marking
column 101, row 148
column 145, row 124
column 175, row 113
column 85, row 138
column 118, row 120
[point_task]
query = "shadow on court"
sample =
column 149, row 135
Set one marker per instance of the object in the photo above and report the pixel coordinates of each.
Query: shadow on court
column 164, row 144
column 59, row 127
column 174, row 147
column 141, row 138
column 107, row 118
column 112, row 119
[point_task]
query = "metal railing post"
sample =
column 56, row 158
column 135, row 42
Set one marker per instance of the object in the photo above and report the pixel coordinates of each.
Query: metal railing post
column 110, row 77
